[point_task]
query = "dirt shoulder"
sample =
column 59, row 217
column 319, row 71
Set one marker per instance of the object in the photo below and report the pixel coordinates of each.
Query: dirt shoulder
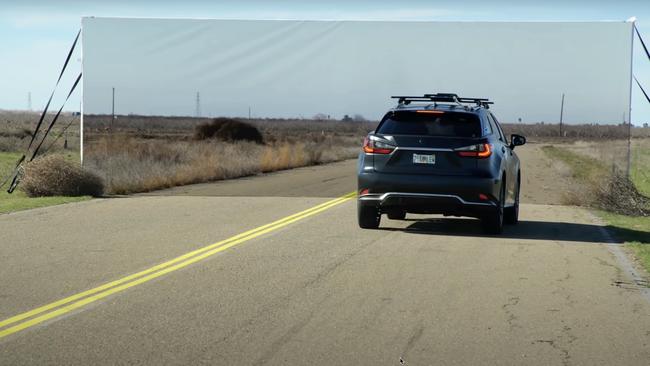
column 544, row 181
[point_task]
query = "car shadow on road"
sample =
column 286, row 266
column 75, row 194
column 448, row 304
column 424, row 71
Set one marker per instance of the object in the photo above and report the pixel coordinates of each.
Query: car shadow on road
column 535, row 230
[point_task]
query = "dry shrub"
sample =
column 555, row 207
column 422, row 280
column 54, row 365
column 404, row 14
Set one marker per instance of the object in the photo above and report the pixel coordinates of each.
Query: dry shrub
column 614, row 193
column 228, row 129
column 618, row 194
column 52, row 175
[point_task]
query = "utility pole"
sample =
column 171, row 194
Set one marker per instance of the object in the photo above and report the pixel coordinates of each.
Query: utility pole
column 113, row 110
column 198, row 104
column 561, row 114
column 249, row 112
column 29, row 101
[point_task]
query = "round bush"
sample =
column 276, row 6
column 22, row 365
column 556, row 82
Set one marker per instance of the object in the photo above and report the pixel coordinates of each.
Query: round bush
column 228, row 129
column 52, row 175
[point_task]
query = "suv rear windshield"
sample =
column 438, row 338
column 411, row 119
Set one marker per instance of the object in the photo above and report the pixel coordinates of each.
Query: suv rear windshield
column 453, row 124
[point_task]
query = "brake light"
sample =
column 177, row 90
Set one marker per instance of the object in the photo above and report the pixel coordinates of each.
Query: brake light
column 475, row 151
column 429, row 112
column 371, row 146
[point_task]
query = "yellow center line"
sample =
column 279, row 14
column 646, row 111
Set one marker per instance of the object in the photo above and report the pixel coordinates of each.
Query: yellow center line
column 135, row 279
column 154, row 268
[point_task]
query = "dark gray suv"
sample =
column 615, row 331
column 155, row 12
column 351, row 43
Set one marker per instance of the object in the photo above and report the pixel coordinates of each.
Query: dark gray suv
column 439, row 154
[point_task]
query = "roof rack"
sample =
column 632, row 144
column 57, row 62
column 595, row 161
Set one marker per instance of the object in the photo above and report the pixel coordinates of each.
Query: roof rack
column 444, row 98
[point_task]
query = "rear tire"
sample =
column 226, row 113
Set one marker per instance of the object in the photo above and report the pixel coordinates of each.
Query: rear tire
column 493, row 223
column 511, row 214
column 396, row 214
column 368, row 217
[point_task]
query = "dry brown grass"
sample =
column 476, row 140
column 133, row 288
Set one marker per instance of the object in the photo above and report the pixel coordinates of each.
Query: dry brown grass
column 138, row 154
column 129, row 164
column 53, row 175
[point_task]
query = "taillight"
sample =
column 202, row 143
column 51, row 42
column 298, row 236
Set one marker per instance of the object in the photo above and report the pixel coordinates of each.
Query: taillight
column 475, row 151
column 372, row 146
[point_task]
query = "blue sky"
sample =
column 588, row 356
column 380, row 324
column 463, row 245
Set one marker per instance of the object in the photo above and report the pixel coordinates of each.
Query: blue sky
column 35, row 35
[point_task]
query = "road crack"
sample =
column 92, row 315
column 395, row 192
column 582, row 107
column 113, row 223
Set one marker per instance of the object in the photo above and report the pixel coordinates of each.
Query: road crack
column 511, row 318
column 562, row 344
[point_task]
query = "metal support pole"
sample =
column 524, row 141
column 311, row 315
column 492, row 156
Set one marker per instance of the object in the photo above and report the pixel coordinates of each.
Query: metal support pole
column 113, row 110
column 629, row 148
column 561, row 114
column 629, row 111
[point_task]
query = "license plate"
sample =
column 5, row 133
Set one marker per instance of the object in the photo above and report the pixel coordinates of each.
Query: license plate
column 424, row 159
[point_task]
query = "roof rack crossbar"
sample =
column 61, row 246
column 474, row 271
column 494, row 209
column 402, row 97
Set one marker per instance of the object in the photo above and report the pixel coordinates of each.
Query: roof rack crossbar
column 442, row 97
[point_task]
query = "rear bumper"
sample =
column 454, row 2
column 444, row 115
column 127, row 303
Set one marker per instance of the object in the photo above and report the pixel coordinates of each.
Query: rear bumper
column 449, row 195
column 427, row 204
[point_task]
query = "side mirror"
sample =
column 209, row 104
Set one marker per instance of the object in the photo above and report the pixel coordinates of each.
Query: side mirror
column 516, row 140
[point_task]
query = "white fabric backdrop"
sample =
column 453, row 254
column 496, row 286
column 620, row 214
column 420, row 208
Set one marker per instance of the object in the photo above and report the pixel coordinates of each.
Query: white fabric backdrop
column 301, row 68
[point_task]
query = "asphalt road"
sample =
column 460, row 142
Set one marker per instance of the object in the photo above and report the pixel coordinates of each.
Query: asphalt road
column 314, row 289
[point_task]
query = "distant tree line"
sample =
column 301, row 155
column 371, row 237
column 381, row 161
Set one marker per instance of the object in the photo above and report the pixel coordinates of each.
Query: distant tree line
column 346, row 118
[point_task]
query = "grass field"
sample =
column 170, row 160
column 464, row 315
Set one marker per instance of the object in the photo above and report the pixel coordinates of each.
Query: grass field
column 18, row 200
column 138, row 153
column 143, row 153
column 587, row 167
column 640, row 173
column 550, row 132
column 16, row 128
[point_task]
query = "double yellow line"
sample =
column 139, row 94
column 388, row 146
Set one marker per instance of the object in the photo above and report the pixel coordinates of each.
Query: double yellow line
column 63, row 306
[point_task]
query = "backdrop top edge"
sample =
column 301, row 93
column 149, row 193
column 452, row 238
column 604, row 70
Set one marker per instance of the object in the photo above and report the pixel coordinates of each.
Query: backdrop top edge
column 83, row 18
